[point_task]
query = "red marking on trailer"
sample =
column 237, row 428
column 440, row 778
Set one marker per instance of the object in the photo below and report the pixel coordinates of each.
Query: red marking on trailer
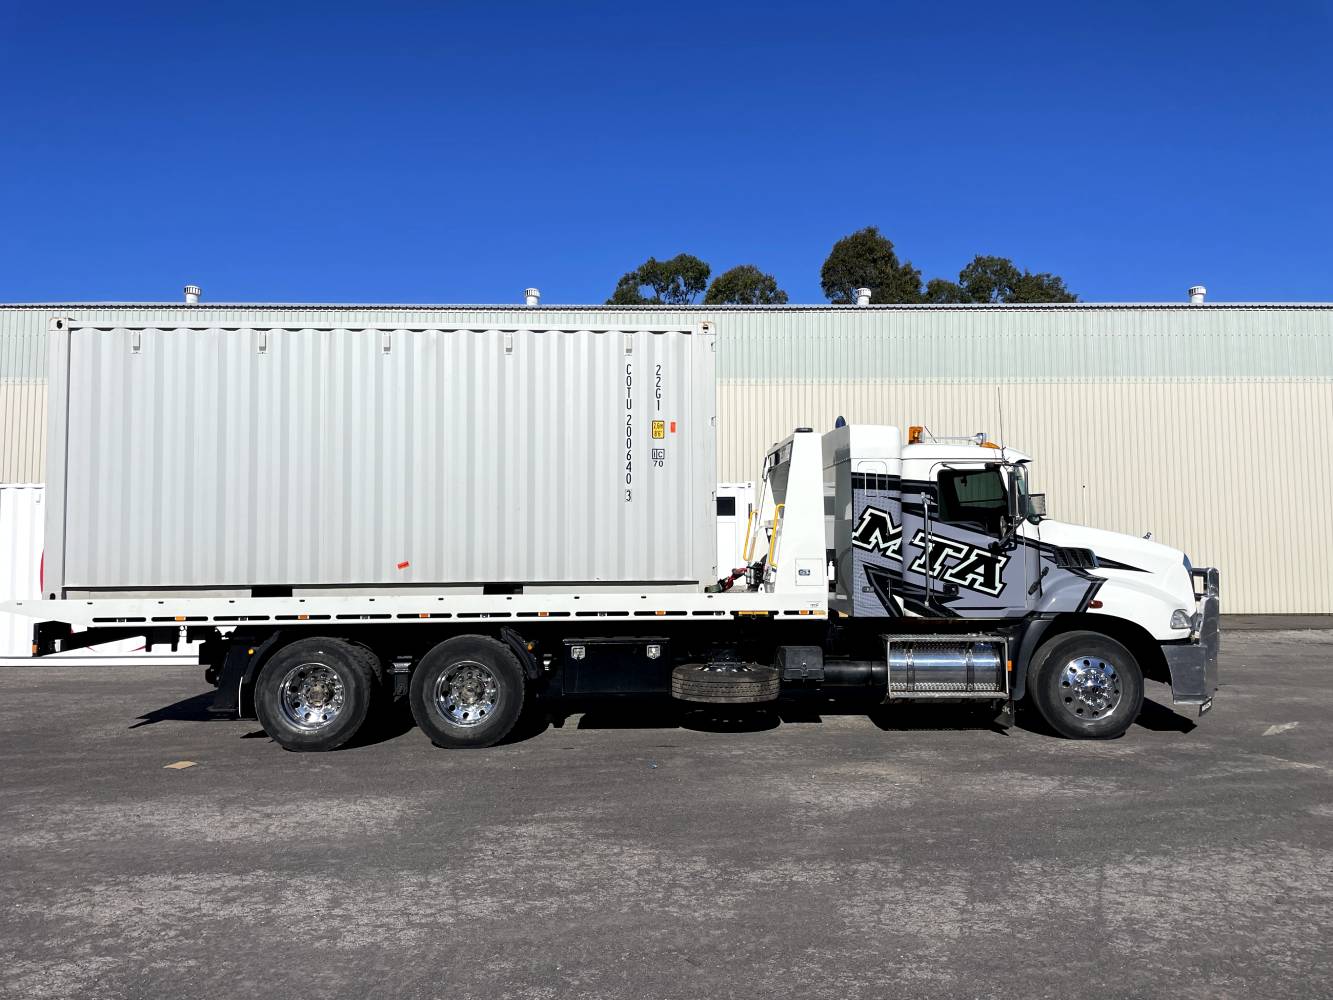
column 673, row 427
column 404, row 564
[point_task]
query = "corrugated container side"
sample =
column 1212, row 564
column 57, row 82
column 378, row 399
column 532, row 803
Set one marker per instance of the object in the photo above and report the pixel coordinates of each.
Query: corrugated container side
column 232, row 458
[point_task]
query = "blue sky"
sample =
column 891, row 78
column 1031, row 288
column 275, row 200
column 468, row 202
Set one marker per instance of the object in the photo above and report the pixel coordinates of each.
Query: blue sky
column 458, row 152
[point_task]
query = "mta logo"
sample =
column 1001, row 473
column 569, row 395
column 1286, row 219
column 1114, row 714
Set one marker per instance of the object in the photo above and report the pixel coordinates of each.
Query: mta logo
column 947, row 559
column 876, row 532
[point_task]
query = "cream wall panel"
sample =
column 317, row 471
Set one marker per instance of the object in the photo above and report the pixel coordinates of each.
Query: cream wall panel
column 22, row 431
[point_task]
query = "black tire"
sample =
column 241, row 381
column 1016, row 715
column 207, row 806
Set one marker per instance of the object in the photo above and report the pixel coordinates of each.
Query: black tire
column 738, row 684
column 1108, row 704
column 468, row 691
column 322, row 708
column 381, row 693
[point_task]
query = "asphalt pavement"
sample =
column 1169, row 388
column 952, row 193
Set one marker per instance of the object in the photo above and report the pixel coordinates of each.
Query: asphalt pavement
column 915, row 853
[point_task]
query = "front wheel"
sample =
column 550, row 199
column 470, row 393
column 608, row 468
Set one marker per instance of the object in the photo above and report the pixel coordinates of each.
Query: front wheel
column 1086, row 685
column 467, row 692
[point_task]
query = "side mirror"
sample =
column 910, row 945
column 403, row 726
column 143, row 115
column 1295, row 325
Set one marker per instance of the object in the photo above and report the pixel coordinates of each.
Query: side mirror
column 1012, row 504
column 1036, row 507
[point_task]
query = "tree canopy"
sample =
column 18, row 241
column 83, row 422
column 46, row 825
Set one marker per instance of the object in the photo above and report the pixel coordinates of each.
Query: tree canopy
column 998, row 279
column 745, row 285
column 863, row 259
column 866, row 259
column 677, row 281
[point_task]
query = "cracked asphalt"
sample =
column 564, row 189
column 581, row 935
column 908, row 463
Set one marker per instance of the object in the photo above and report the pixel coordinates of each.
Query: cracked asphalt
column 918, row 853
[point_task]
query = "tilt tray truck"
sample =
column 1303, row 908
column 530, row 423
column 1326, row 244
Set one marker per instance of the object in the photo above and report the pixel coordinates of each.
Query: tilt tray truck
column 484, row 519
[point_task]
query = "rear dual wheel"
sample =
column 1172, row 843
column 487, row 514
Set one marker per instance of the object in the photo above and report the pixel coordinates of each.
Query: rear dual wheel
column 468, row 691
column 314, row 694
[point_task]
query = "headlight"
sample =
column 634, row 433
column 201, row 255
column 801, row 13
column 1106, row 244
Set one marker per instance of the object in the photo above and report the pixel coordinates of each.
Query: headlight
column 1180, row 618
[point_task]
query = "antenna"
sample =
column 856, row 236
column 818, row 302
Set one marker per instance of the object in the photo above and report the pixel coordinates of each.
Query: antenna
column 999, row 410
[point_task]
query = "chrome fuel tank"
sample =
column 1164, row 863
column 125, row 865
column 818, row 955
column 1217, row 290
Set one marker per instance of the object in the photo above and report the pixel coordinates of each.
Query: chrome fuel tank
column 946, row 666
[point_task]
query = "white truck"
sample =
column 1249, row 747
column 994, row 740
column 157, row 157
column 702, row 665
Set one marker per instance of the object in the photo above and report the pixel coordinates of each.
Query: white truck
column 345, row 516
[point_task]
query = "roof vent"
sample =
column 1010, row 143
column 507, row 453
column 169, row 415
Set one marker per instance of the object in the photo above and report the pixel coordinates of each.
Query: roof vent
column 532, row 296
column 1197, row 292
column 863, row 296
column 191, row 295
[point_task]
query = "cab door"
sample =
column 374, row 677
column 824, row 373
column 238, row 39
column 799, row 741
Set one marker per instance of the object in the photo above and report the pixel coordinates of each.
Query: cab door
column 957, row 555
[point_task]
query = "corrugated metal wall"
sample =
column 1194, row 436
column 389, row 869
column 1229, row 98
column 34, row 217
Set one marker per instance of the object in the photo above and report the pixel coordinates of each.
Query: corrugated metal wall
column 1200, row 423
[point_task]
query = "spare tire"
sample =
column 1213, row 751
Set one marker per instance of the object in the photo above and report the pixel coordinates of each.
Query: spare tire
column 725, row 683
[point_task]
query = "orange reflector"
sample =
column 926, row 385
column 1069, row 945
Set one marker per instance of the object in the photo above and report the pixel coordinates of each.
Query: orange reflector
column 34, row 649
column 990, row 444
column 303, row 618
column 914, row 434
column 1009, row 665
column 531, row 646
column 659, row 612
column 751, row 612
column 543, row 614
column 673, row 427
column 249, row 652
column 424, row 614
column 180, row 618
column 803, row 611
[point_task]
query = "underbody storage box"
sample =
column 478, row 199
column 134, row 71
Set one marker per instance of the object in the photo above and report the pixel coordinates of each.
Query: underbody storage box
column 224, row 460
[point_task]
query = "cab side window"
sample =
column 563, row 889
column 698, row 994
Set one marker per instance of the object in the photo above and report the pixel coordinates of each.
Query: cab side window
column 972, row 496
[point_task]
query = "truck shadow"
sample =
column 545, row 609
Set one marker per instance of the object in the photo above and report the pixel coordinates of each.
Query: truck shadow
column 396, row 720
column 192, row 709
column 1161, row 718
column 706, row 719
column 760, row 718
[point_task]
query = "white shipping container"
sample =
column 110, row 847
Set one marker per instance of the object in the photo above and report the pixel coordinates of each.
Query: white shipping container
column 224, row 460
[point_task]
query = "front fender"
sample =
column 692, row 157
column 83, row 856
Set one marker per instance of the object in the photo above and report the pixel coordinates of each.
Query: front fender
column 1143, row 600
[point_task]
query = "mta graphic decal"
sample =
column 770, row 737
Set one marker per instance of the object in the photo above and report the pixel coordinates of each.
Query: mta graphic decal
column 969, row 566
column 976, row 569
column 876, row 532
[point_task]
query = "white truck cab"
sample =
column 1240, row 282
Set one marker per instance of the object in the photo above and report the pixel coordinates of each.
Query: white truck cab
column 941, row 536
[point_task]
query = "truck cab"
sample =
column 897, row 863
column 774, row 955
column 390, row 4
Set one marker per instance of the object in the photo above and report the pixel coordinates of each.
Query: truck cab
column 942, row 538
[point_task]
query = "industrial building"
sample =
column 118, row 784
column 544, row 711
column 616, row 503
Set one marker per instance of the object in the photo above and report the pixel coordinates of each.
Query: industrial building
column 1199, row 422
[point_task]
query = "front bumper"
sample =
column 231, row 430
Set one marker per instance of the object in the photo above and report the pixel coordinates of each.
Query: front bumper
column 1193, row 664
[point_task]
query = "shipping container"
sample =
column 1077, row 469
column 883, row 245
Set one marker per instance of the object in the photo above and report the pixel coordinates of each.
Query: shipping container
column 234, row 460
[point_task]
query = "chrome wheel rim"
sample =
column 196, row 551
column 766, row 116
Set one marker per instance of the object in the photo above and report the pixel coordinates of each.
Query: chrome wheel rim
column 312, row 696
column 466, row 693
column 1089, row 688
